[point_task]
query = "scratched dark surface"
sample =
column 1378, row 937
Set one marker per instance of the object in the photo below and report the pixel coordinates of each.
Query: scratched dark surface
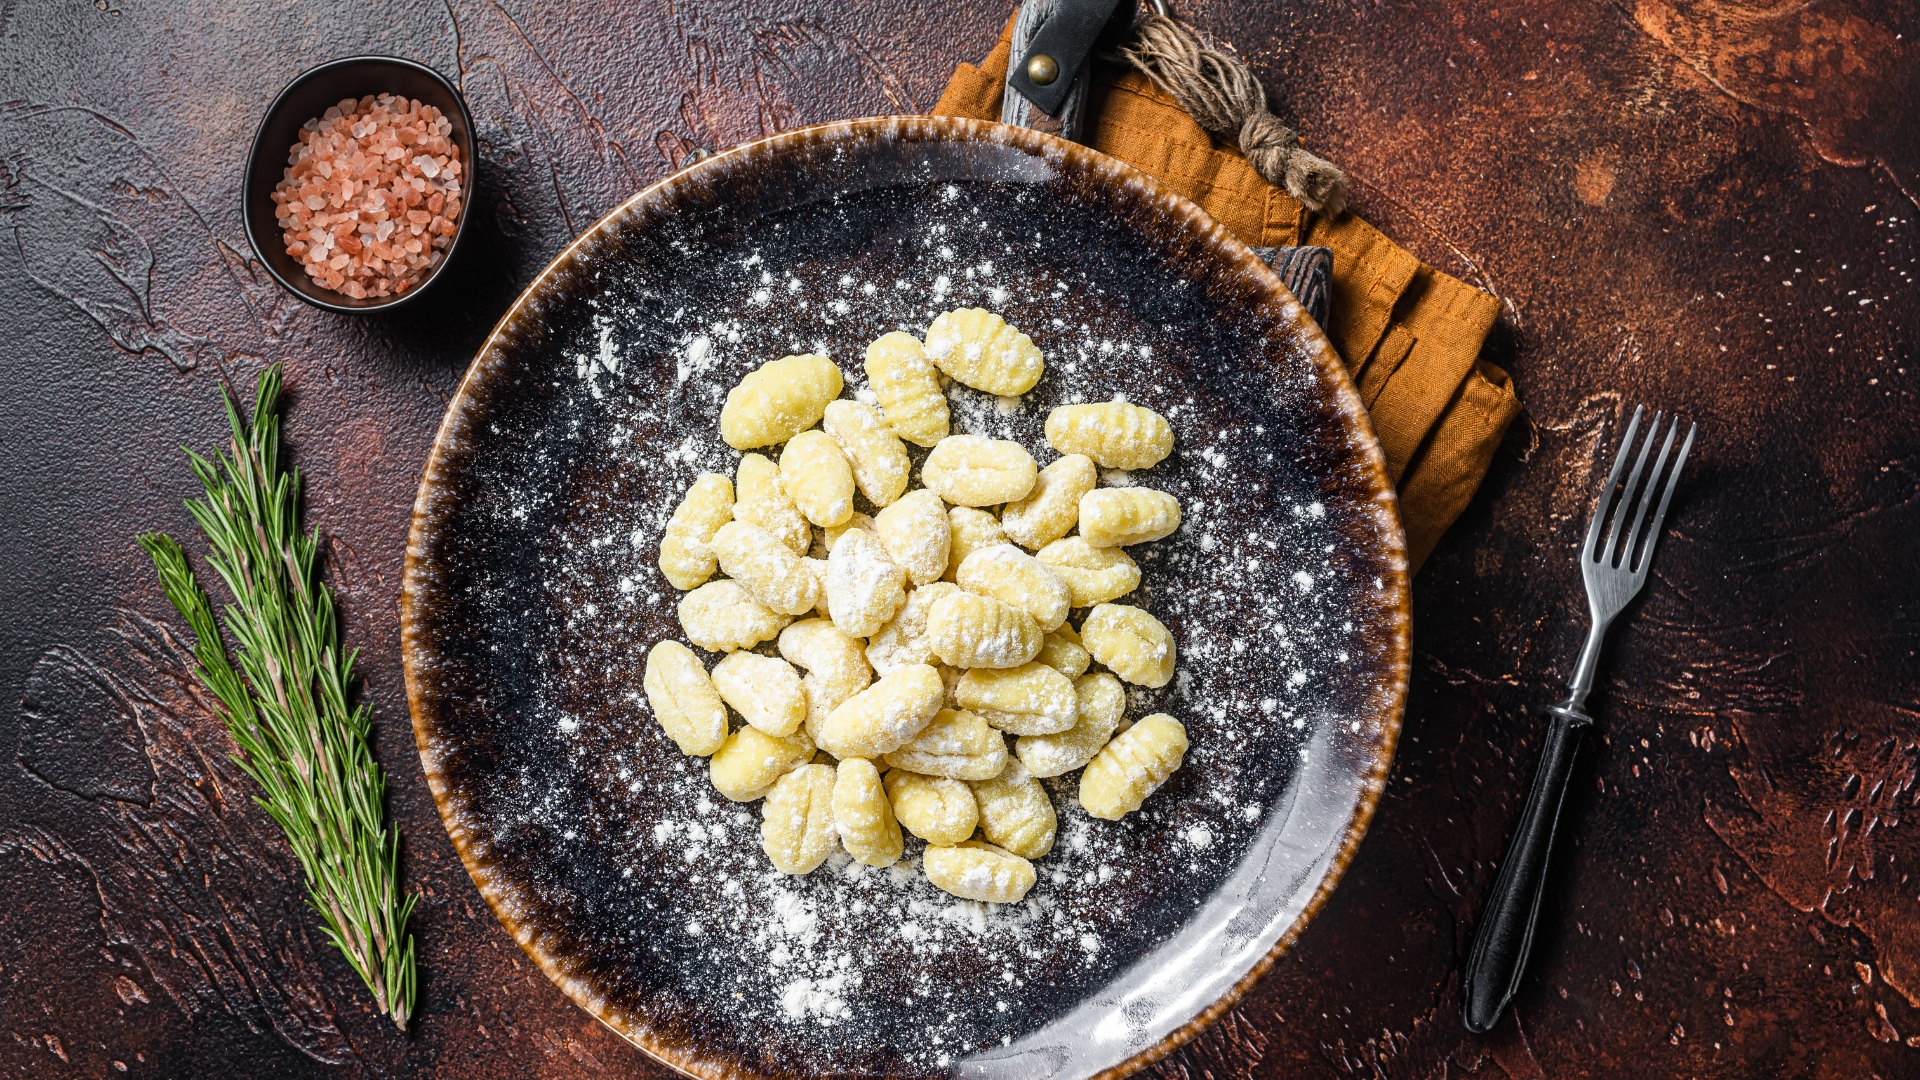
column 1702, row 204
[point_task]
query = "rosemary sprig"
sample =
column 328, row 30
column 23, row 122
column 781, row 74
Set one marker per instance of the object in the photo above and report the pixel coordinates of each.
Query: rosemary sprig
column 289, row 714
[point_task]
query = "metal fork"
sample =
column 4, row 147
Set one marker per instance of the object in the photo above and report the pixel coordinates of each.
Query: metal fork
column 1614, row 573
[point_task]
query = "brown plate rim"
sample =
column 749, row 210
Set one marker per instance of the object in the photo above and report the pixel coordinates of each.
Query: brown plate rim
column 1390, row 701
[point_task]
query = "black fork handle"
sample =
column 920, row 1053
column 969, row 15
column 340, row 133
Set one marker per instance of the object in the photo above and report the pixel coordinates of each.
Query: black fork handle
column 1505, row 934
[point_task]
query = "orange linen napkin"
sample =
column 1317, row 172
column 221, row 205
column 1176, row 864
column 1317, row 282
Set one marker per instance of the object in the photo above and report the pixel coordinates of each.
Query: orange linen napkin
column 1410, row 335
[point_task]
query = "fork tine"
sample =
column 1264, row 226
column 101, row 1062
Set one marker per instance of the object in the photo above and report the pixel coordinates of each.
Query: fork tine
column 1630, row 495
column 1613, row 479
column 1666, row 495
column 1634, row 542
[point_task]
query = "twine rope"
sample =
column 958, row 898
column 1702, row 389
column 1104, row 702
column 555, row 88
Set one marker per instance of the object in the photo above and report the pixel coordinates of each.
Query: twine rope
column 1226, row 98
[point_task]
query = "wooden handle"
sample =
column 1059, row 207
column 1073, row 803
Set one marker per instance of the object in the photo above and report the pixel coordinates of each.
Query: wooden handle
column 1505, row 934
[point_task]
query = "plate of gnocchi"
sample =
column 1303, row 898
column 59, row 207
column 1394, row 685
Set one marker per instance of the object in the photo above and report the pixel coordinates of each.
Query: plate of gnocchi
column 906, row 597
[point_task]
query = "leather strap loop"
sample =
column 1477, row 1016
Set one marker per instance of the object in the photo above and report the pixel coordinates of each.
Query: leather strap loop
column 1067, row 39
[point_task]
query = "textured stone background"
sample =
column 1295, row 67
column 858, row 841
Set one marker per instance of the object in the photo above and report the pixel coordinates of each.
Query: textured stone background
column 1702, row 204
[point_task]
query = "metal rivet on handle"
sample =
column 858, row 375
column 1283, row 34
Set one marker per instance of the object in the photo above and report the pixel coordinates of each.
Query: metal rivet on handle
column 1043, row 69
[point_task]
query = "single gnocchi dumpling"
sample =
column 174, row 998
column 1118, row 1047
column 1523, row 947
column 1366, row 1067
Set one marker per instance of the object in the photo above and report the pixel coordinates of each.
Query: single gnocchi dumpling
column 1116, row 517
column 1015, row 812
column 796, row 822
column 978, row 871
column 917, row 535
column 1130, row 643
column 751, row 761
column 958, row 745
column 904, row 640
column 1062, row 651
column 1052, row 508
column 721, row 616
column 685, row 555
column 1132, row 767
column 1115, row 434
column 1032, row 699
column 1006, row 573
column 978, row 348
column 885, row 716
column 972, row 631
column 817, row 477
column 763, row 689
column 778, row 400
column 862, row 815
column 683, row 699
column 969, row 530
column 864, row 587
column 759, row 498
column 933, row 808
column 1103, row 701
column 835, row 663
column 973, row 470
column 1095, row 575
column 879, row 462
column 903, row 379
column 766, row 568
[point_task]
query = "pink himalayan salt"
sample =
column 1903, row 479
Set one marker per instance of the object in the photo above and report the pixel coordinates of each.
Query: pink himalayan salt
column 371, row 194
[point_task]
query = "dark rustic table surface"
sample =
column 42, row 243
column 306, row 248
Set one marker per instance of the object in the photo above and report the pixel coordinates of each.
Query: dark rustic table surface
column 1701, row 204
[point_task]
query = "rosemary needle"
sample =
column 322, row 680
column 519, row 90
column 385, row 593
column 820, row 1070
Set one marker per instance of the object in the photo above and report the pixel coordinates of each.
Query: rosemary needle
column 286, row 707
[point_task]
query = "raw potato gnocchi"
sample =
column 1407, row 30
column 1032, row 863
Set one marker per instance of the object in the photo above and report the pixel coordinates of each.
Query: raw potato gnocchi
column 1114, row 434
column 759, row 498
column 685, row 557
column 765, row 690
column 1062, row 651
column 903, row 379
column 879, row 461
column 966, row 630
column 720, row 616
column 973, row 470
column 1015, row 812
column 1094, row 574
column 1052, row 508
column 958, row 745
column 885, row 716
column 1130, row 643
column 979, row 871
column 835, row 663
column 969, row 631
column 752, row 761
column 978, row 348
column 1102, row 702
column 933, row 808
column 968, row 531
column 1132, row 767
column 766, row 568
column 918, row 535
column 864, row 587
column 1117, row 517
column 1008, row 574
column 862, row 815
column 817, row 478
column 779, row 400
column 797, row 826
column 684, row 700
column 1032, row 699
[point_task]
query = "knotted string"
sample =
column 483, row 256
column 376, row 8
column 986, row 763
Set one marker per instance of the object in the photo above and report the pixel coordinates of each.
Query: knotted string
column 1225, row 97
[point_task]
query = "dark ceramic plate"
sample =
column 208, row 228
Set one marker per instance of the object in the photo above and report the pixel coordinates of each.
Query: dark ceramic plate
column 532, row 597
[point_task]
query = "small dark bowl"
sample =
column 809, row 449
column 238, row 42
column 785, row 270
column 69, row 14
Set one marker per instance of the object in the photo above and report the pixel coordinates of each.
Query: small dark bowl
column 306, row 98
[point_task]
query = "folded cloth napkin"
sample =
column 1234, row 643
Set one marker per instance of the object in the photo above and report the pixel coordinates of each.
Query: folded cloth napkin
column 1409, row 334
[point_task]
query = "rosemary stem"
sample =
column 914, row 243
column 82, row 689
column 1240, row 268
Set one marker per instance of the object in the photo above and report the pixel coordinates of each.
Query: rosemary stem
column 286, row 704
